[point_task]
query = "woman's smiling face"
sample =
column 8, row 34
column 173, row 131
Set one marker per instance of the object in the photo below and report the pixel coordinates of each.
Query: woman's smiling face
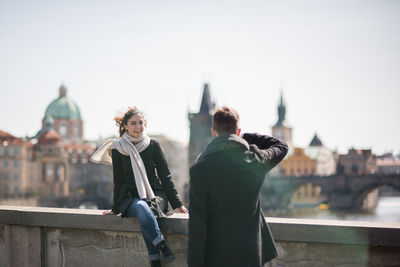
column 135, row 125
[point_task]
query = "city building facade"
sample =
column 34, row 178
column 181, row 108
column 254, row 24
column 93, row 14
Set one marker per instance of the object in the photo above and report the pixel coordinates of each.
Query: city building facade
column 19, row 172
column 51, row 155
column 324, row 157
column 388, row 164
column 357, row 162
column 298, row 164
column 40, row 166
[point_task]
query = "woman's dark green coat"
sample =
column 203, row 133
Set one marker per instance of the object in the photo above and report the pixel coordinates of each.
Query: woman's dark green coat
column 157, row 173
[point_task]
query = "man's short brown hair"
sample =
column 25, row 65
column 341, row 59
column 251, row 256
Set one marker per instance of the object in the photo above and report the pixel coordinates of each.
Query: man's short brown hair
column 225, row 120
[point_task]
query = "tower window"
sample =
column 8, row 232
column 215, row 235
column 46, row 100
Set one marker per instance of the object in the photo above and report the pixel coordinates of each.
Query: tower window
column 76, row 131
column 63, row 130
column 58, row 173
column 49, row 169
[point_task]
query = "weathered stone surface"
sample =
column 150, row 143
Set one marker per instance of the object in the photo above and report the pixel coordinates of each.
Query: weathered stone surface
column 327, row 255
column 31, row 236
column 335, row 232
column 75, row 247
column 20, row 246
column 4, row 245
column 8, row 215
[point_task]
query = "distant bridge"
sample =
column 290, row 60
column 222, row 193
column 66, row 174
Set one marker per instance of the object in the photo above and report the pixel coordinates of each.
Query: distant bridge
column 341, row 192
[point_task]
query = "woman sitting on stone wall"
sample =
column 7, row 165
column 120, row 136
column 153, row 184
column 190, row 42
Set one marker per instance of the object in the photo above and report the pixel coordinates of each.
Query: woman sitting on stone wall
column 142, row 181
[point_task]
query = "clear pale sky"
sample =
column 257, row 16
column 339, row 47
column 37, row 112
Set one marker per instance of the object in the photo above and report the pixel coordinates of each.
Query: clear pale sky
column 338, row 62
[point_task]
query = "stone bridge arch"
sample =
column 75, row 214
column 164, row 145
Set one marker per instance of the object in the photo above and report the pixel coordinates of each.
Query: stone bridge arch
column 342, row 192
column 361, row 196
column 277, row 192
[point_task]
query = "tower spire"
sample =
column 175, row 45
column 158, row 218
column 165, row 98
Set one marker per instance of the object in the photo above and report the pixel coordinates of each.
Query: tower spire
column 62, row 90
column 281, row 111
column 206, row 103
column 281, row 129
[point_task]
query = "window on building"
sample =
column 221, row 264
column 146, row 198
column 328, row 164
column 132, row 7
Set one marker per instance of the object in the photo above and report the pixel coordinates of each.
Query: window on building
column 49, row 169
column 84, row 157
column 16, row 151
column 62, row 129
column 58, row 172
column 5, row 163
column 16, row 176
column 74, row 157
column 76, row 131
column 44, row 172
column 354, row 169
column 16, row 190
column 16, row 163
column 6, row 151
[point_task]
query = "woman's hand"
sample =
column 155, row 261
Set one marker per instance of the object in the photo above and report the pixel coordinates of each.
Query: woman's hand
column 182, row 209
column 108, row 212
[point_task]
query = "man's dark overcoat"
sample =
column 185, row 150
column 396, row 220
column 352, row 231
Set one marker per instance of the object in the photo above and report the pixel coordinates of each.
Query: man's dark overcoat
column 226, row 224
column 158, row 175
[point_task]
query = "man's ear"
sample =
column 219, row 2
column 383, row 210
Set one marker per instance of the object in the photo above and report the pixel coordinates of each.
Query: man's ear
column 213, row 133
column 238, row 131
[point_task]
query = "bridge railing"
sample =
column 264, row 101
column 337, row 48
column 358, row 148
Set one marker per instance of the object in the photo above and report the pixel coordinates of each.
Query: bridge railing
column 32, row 236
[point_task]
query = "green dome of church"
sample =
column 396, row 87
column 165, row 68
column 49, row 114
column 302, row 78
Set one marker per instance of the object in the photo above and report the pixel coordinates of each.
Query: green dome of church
column 63, row 107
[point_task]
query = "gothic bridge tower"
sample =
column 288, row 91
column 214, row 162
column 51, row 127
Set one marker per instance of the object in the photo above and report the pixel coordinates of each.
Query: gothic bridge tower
column 281, row 129
column 200, row 126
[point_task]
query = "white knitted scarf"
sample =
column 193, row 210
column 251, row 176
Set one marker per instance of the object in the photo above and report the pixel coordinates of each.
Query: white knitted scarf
column 129, row 146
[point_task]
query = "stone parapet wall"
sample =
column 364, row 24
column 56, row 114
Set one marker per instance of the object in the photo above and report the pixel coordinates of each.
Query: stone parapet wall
column 32, row 236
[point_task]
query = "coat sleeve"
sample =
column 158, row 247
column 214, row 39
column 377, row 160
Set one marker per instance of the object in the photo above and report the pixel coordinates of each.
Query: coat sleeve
column 197, row 221
column 269, row 149
column 165, row 177
column 117, row 177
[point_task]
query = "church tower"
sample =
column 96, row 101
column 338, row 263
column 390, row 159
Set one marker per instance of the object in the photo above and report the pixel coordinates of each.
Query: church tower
column 281, row 129
column 67, row 118
column 200, row 126
column 53, row 159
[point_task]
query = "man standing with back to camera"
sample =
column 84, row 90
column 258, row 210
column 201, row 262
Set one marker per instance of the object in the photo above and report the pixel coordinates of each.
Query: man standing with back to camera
column 226, row 225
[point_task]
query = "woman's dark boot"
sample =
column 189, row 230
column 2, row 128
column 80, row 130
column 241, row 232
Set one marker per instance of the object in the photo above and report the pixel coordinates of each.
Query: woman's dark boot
column 156, row 263
column 165, row 251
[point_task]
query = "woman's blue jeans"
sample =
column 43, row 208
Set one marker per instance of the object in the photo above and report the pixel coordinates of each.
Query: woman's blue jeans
column 149, row 225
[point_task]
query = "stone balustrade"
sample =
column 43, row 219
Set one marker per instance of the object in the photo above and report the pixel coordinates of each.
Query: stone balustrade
column 34, row 236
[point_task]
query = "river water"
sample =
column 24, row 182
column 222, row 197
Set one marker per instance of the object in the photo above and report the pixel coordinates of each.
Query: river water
column 388, row 210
